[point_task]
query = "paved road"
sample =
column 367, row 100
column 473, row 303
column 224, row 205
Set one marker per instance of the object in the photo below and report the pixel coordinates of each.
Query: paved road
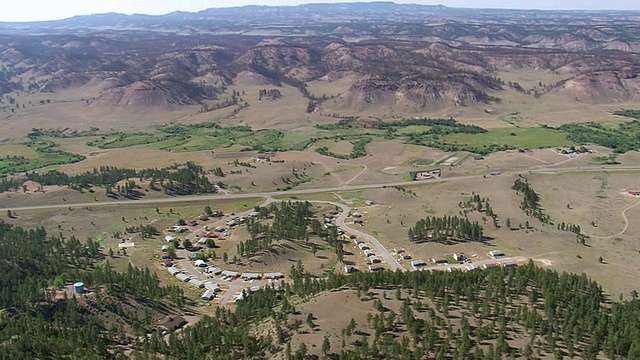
column 379, row 249
column 184, row 199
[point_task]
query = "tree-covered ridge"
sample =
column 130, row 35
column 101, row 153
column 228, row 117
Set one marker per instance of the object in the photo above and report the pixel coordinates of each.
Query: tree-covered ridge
column 561, row 315
column 34, row 323
column 177, row 179
column 446, row 228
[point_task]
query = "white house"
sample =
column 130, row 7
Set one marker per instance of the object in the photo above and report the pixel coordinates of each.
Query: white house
column 496, row 253
column 208, row 295
column 416, row 264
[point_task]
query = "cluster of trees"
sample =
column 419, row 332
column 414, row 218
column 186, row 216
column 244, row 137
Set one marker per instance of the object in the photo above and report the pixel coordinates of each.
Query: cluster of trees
column 476, row 203
column 438, row 126
column 445, row 228
column 530, row 200
column 176, row 179
column 357, row 151
column 145, row 231
column 290, row 222
column 271, row 94
column 624, row 138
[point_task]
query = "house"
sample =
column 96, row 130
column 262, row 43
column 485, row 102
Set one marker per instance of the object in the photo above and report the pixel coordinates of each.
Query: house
column 363, row 246
column 273, row 275
column 208, row 295
column 254, row 214
column 192, row 223
column 374, row 268
column 209, row 234
column 203, row 217
column 197, row 283
column 250, row 276
column 416, row 264
column 405, row 256
column 212, row 286
column 254, row 288
column 229, row 273
column 368, row 202
column 178, row 229
column 491, row 265
column 459, row 257
column 219, row 229
column 426, row 174
column 202, row 240
column 369, row 253
column 439, row 260
column 374, row 259
column 471, row 267
column 164, row 247
column 167, row 262
column 495, row 253
column 232, row 222
column 200, row 263
column 507, row 263
column 349, row 269
column 357, row 215
column 264, row 157
column 172, row 322
column 183, row 277
column 213, row 270
column 173, row 270
column 398, row 251
column 169, row 238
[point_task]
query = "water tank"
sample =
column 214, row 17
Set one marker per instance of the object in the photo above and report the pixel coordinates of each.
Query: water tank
column 78, row 288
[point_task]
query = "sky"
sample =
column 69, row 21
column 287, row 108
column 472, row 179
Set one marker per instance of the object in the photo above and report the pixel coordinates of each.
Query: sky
column 39, row 10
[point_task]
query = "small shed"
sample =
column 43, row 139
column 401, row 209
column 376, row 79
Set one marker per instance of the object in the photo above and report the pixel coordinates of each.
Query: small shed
column 78, row 288
column 273, row 275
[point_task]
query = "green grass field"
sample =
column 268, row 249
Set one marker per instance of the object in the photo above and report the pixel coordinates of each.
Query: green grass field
column 522, row 138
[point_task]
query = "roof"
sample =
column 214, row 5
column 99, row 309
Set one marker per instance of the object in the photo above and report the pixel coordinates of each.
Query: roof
column 200, row 263
column 78, row 284
column 209, row 294
column 172, row 322
column 182, row 277
column 173, row 270
column 196, row 283
column 418, row 262
column 212, row 286
column 214, row 270
column 250, row 276
column 164, row 247
column 229, row 273
column 273, row 275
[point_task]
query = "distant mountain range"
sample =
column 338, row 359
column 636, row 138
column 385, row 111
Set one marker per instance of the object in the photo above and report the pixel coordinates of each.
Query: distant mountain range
column 411, row 57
